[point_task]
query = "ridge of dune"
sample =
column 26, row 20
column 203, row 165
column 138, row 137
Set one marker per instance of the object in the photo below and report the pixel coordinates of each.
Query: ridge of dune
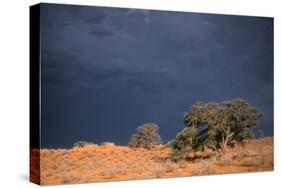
column 93, row 163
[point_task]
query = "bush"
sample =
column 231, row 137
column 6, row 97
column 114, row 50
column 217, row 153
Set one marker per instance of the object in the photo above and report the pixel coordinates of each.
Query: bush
column 133, row 141
column 185, row 141
column 81, row 144
column 107, row 144
column 147, row 136
column 259, row 134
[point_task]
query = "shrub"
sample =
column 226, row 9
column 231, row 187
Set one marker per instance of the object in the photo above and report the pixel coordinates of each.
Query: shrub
column 107, row 144
column 259, row 134
column 185, row 141
column 81, row 144
column 204, row 169
column 133, row 141
column 147, row 136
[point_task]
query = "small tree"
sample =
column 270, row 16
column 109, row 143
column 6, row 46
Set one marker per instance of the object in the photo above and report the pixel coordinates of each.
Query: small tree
column 226, row 123
column 147, row 136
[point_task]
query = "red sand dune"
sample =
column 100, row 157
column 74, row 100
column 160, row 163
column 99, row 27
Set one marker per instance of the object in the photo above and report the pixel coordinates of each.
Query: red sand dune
column 112, row 163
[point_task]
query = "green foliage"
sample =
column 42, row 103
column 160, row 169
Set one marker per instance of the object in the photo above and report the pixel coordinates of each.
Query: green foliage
column 107, row 144
column 185, row 141
column 215, row 126
column 243, row 135
column 81, row 144
column 259, row 134
column 133, row 141
column 147, row 136
column 227, row 123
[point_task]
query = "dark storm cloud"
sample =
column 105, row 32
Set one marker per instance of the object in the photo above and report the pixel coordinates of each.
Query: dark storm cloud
column 96, row 17
column 106, row 71
column 100, row 32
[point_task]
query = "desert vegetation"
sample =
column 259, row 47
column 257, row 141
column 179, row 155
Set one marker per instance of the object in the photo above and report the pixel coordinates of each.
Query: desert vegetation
column 213, row 127
column 147, row 136
column 216, row 138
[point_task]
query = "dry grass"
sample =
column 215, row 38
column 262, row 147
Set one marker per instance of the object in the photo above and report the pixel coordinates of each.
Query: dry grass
column 164, row 168
column 204, row 169
column 257, row 162
column 107, row 163
column 226, row 159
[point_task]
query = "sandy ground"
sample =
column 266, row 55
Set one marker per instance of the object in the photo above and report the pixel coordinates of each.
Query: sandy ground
column 113, row 163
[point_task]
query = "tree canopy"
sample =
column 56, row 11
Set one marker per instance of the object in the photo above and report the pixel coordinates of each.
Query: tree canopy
column 225, row 123
column 216, row 126
column 146, row 136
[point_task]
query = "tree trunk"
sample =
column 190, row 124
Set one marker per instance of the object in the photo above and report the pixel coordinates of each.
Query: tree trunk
column 224, row 142
column 223, row 145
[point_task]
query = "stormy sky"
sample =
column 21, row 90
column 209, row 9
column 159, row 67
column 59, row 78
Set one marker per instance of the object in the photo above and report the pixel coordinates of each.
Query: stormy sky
column 106, row 71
